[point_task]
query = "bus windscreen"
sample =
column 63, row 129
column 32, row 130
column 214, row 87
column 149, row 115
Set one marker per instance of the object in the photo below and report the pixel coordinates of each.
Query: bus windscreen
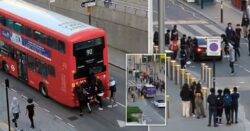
column 89, row 57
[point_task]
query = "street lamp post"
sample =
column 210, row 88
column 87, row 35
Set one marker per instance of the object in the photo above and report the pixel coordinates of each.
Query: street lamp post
column 221, row 11
column 7, row 101
column 202, row 4
column 161, row 18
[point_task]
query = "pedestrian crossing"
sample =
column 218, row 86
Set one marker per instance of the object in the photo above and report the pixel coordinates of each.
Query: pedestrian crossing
column 131, row 83
column 196, row 29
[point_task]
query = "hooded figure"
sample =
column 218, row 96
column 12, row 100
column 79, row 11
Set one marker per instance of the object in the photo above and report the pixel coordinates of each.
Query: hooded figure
column 15, row 110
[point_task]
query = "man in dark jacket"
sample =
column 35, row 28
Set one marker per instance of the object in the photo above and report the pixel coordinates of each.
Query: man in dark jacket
column 167, row 38
column 227, row 105
column 212, row 100
column 235, row 104
column 183, row 41
column 230, row 33
column 183, row 58
column 174, row 34
column 220, row 104
column 245, row 24
column 185, row 95
column 156, row 38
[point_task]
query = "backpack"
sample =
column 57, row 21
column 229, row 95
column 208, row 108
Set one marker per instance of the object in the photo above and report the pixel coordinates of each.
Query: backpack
column 220, row 101
column 174, row 47
column 227, row 100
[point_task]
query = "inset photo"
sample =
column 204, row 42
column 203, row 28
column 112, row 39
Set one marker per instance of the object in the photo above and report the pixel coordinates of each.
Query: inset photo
column 145, row 95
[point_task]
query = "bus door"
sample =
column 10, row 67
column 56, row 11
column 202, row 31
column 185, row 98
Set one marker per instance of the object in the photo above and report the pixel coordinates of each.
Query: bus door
column 22, row 66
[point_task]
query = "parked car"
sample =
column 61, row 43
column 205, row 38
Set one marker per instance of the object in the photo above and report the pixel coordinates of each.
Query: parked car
column 160, row 103
column 200, row 50
column 149, row 90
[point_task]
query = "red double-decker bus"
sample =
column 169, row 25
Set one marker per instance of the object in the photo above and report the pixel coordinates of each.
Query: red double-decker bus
column 50, row 52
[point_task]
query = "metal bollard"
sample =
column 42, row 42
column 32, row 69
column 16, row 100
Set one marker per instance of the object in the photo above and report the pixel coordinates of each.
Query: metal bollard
column 205, row 73
column 193, row 79
column 182, row 77
column 190, row 79
column 205, row 94
column 168, row 59
column 209, row 78
column 177, row 75
column 187, row 78
column 172, row 69
column 202, row 71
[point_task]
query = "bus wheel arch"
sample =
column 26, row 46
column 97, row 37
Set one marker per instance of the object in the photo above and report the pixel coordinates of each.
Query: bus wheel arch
column 43, row 89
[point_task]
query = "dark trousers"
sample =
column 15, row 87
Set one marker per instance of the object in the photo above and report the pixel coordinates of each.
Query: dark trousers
column 219, row 114
column 14, row 120
column 227, row 113
column 31, row 120
column 183, row 63
column 193, row 106
column 174, row 55
column 231, row 64
column 237, row 53
column 99, row 98
column 212, row 113
column 235, row 113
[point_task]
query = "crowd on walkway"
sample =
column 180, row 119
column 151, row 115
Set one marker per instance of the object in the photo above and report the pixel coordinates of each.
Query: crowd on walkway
column 225, row 101
column 230, row 42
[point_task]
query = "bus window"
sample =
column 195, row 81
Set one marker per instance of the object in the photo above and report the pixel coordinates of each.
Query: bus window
column 2, row 21
column 18, row 27
column 4, row 49
column 10, row 23
column 32, row 63
column 40, row 37
column 52, row 42
column 51, row 70
column 28, row 31
column 61, row 46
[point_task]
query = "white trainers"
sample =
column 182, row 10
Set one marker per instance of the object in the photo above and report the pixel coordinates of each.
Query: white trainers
column 100, row 109
column 110, row 106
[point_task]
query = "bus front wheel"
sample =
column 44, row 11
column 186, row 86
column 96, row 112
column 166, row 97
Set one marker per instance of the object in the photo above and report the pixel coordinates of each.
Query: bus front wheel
column 43, row 89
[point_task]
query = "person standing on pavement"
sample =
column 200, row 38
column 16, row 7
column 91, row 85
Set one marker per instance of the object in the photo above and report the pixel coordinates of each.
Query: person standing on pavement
column 167, row 38
column 99, row 89
column 245, row 23
column 183, row 58
column 212, row 100
column 15, row 110
column 156, row 38
column 227, row 105
column 112, row 93
column 235, row 104
column 30, row 110
column 174, row 34
column 185, row 95
column 231, row 58
column 220, row 105
column 225, row 43
column 188, row 47
column 230, row 33
column 237, row 41
column 199, row 106
column 192, row 89
column 183, row 41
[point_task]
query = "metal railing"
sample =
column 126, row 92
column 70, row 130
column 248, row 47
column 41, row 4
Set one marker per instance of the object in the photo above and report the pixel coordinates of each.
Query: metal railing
column 125, row 7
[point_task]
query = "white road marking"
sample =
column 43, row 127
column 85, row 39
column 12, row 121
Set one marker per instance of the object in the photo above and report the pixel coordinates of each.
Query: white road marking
column 200, row 30
column 241, row 82
column 58, row 117
column 46, row 110
column 13, row 90
column 121, row 104
column 70, row 125
column 25, row 97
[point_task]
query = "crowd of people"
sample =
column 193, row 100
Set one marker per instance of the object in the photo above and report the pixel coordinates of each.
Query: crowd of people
column 92, row 91
column 230, row 42
column 225, row 101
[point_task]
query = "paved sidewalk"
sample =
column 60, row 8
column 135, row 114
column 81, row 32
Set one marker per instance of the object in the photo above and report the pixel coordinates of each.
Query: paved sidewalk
column 212, row 12
column 177, row 123
column 44, row 121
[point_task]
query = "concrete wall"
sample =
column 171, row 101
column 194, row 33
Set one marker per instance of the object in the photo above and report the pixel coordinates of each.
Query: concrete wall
column 126, row 31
